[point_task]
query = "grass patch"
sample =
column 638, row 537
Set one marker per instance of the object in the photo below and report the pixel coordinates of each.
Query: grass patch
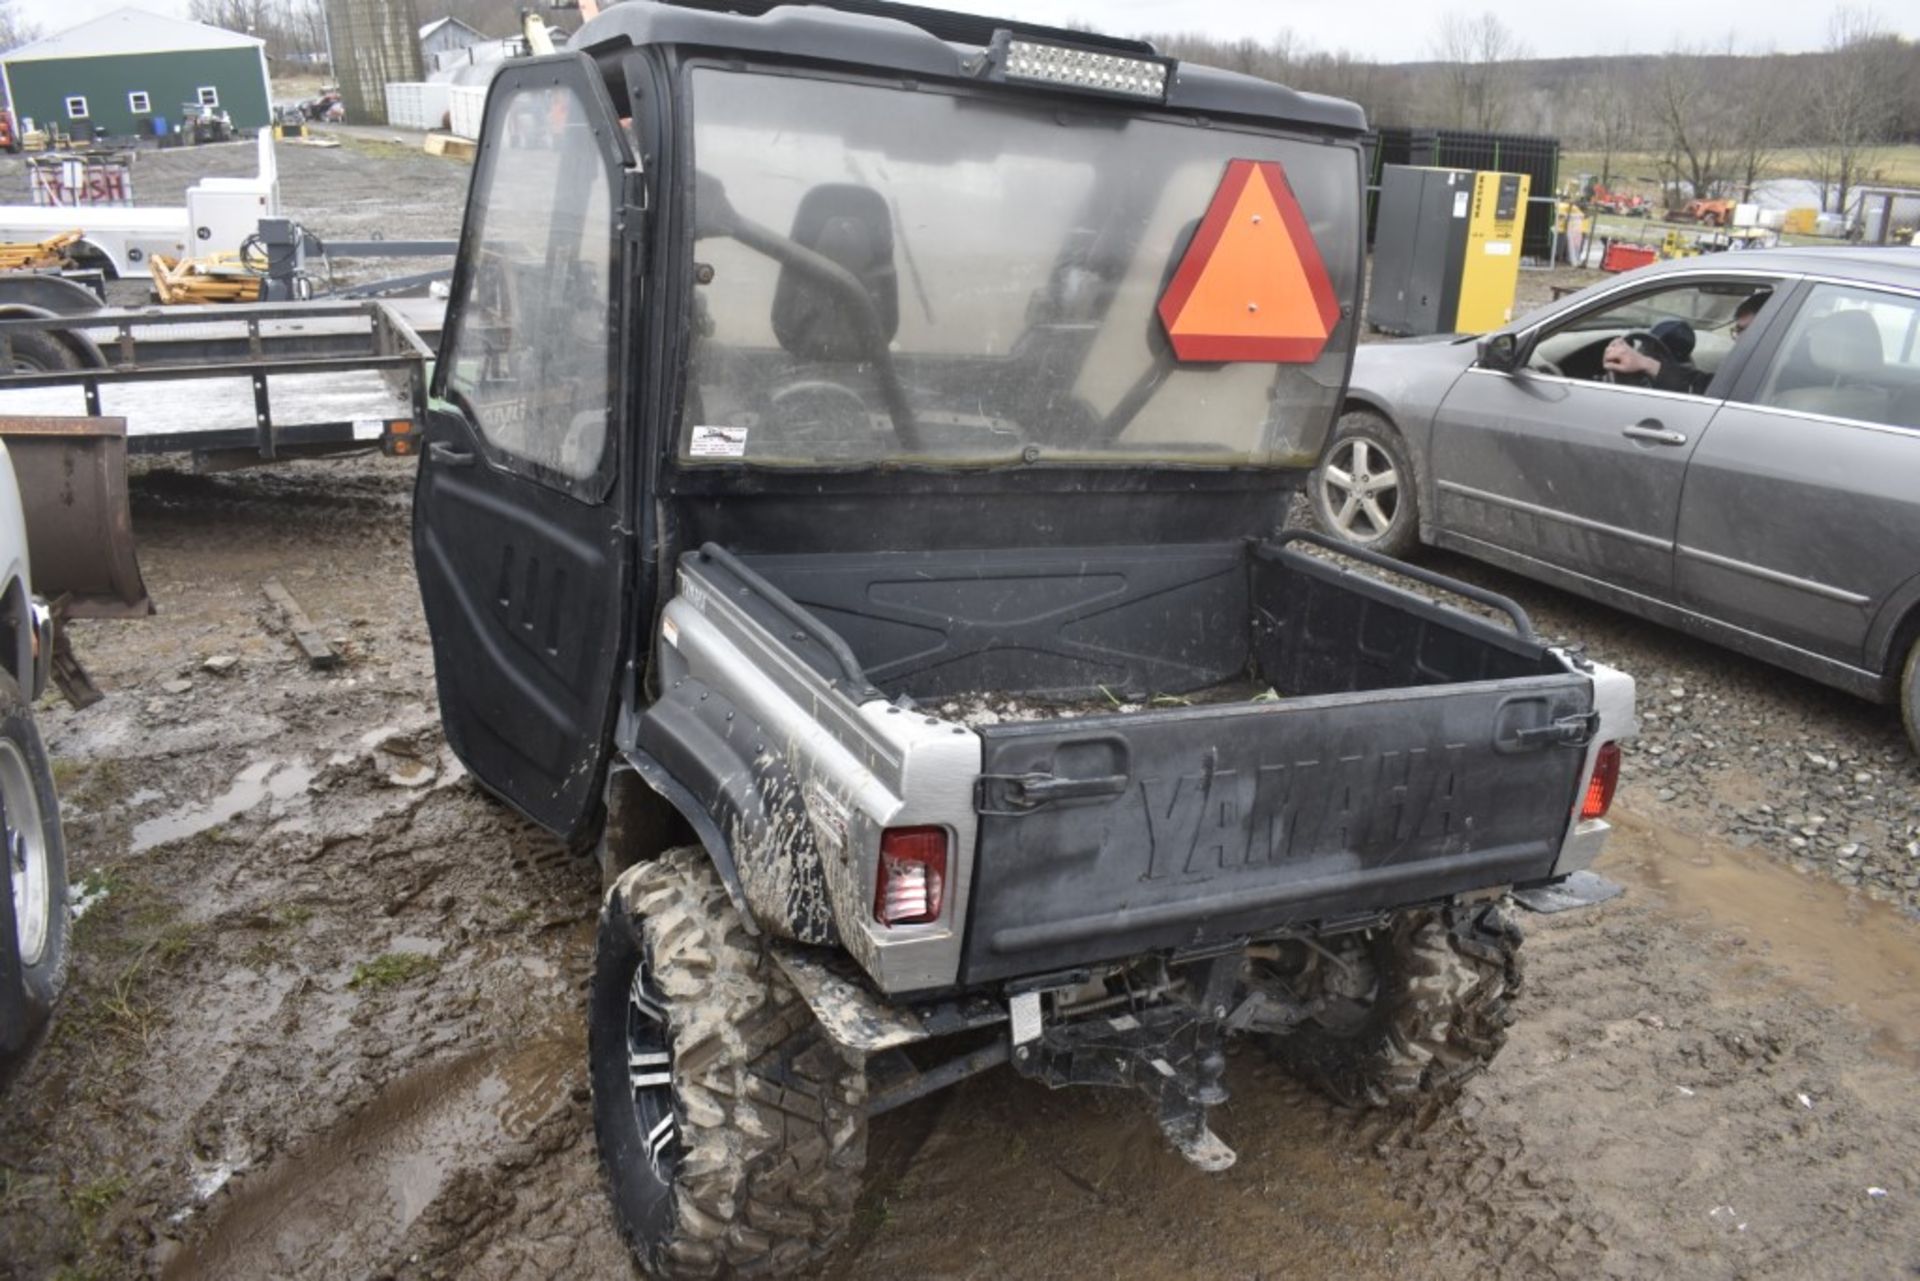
column 92, row 784
column 390, row 969
column 90, row 1201
column 291, row 915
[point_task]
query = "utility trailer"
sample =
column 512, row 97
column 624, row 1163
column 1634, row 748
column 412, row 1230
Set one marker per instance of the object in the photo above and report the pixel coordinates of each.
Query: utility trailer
column 267, row 381
column 995, row 377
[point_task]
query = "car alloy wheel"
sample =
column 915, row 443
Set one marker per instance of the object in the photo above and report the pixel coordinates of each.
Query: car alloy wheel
column 1362, row 490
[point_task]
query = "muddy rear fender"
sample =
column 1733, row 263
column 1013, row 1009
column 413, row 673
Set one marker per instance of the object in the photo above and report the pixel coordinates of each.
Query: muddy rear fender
column 72, row 474
column 716, row 766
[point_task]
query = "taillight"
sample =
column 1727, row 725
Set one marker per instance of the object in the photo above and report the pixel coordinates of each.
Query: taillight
column 1606, row 776
column 913, row 875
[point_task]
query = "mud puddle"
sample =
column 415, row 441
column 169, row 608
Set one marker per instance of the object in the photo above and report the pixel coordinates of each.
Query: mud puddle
column 281, row 782
column 1842, row 947
column 348, row 1196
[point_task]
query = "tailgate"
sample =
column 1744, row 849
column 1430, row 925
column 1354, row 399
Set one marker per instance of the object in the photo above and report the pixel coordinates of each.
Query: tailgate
column 1104, row 836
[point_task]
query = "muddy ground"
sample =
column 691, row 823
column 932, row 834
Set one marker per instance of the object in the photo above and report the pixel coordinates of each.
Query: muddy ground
column 325, row 1014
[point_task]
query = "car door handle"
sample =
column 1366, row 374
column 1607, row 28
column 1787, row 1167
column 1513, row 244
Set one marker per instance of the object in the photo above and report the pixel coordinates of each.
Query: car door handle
column 1654, row 435
column 447, row 456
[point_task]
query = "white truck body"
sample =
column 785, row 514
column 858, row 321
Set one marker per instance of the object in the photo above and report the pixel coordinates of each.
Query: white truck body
column 219, row 214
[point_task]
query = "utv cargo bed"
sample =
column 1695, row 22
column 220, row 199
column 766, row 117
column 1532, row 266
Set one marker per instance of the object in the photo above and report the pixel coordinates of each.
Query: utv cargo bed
column 1416, row 751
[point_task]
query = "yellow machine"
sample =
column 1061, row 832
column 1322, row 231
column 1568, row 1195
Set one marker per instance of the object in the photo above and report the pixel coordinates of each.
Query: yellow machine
column 1491, row 272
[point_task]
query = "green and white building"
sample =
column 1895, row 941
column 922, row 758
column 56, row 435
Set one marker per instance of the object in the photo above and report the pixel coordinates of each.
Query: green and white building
column 121, row 70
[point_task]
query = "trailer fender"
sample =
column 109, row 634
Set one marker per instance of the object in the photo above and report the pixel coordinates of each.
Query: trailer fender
column 54, row 295
column 86, row 353
column 720, row 769
column 73, row 490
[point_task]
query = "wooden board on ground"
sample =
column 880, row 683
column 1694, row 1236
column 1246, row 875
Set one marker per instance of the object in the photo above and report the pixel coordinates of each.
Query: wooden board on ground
column 447, row 144
column 320, row 655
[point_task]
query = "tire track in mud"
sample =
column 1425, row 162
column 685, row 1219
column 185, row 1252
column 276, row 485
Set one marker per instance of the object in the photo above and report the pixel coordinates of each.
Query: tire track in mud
column 349, row 1196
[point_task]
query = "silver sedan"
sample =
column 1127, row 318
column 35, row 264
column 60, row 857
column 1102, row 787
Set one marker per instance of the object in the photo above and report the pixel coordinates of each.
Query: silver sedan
column 1728, row 445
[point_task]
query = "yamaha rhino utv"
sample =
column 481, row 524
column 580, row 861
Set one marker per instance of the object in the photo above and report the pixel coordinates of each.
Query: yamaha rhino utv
column 854, row 506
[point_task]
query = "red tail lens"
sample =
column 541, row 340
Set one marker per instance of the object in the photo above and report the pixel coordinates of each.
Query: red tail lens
column 1606, row 776
column 913, row 875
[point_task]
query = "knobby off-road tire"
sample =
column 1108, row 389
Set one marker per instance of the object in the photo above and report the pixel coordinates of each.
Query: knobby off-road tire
column 1421, row 1006
column 1364, row 491
column 732, row 1130
column 36, row 866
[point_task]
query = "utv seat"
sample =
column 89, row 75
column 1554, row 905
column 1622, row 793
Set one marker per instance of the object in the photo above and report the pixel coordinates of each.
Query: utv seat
column 851, row 226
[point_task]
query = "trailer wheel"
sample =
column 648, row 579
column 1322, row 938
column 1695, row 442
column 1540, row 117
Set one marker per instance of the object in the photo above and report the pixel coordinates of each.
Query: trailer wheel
column 41, row 353
column 36, row 865
column 732, row 1130
column 1407, row 1012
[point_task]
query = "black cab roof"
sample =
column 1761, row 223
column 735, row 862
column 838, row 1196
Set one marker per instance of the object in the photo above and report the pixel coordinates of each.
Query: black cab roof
column 936, row 44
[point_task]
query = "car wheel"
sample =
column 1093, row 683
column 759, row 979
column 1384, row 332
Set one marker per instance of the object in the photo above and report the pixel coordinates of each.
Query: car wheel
column 36, row 861
column 1910, row 695
column 1363, row 489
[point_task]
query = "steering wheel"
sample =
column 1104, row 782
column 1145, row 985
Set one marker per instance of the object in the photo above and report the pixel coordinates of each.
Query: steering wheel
column 1647, row 345
column 823, row 417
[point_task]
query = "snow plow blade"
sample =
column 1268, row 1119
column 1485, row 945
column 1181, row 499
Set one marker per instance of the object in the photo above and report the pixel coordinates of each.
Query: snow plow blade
column 73, row 488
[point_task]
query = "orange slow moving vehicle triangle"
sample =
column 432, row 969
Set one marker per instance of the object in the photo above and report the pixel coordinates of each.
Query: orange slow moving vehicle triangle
column 1252, row 286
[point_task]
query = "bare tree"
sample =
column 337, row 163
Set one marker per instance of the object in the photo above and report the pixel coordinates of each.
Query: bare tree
column 1477, row 81
column 1609, row 116
column 1853, row 101
column 1695, row 123
column 14, row 29
column 1760, row 97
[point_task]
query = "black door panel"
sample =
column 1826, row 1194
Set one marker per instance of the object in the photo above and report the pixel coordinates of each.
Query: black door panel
column 519, row 539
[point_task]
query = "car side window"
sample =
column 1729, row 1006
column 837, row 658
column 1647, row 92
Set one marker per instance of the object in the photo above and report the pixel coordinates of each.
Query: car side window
column 529, row 353
column 1851, row 352
column 1689, row 329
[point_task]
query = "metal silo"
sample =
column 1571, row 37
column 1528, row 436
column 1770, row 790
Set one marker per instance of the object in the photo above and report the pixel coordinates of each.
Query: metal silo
column 373, row 42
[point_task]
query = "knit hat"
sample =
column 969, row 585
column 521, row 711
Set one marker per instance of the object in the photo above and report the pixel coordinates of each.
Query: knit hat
column 1676, row 336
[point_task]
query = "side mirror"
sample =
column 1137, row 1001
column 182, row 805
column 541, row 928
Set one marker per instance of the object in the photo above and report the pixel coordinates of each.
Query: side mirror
column 1499, row 351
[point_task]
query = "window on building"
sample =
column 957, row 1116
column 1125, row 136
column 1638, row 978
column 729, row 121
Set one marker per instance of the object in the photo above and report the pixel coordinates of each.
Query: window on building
column 209, row 96
column 77, row 108
column 138, row 103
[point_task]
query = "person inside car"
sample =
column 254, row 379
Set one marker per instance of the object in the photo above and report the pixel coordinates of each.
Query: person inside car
column 1673, row 370
column 1743, row 315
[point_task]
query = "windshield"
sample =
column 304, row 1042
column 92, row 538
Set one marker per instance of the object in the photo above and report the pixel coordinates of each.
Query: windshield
column 897, row 275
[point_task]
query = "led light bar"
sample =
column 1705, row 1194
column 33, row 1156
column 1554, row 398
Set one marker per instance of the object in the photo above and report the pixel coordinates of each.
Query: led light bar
column 1068, row 67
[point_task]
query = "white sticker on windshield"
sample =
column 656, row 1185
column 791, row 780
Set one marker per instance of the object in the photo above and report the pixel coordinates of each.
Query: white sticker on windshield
column 719, row 442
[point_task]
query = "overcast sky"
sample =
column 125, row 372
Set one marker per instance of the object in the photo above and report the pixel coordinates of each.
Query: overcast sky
column 1387, row 30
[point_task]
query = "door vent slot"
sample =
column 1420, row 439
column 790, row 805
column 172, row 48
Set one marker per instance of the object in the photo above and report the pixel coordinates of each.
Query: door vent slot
column 554, row 599
column 504, row 592
column 530, row 600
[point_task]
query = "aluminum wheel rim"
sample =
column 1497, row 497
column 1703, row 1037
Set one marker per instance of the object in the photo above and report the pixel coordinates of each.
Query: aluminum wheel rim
column 25, row 839
column 1361, row 490
column 650, row 1074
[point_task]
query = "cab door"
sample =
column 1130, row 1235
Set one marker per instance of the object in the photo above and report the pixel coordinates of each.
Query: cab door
column 519, row 535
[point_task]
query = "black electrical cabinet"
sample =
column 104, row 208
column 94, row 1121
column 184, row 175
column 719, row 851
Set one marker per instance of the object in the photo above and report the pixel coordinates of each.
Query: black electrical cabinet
column 1419, row 249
